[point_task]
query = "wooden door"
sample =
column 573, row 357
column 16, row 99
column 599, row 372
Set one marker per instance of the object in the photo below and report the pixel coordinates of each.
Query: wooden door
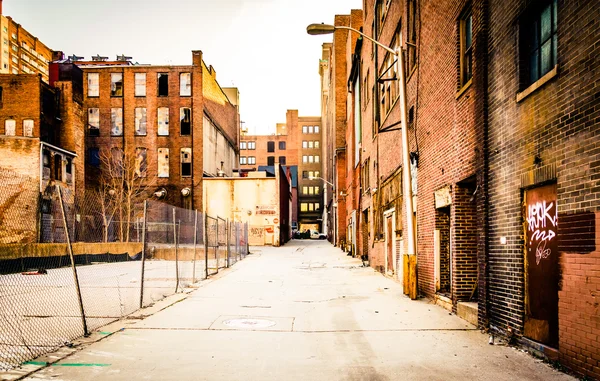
column 541, row 265
column 389, row 244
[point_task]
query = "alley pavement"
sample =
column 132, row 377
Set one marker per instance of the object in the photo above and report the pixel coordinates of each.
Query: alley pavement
column 304, row 311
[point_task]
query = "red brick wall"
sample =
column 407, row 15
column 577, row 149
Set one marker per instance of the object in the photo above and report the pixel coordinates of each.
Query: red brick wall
column 20, row 101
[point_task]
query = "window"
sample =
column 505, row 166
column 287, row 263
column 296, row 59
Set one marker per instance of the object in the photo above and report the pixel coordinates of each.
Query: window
column 141, row 165
column 163, row 84
column 243, row 145
column 243, row 160
column 282, row 146
column 305, row 129
column 282, row 160
column 270, row 146
column 539, row 42
column 93, row 121
column 316, row 129
column 185, row 84
column 303, row 207
column 305, row 174
column 140, row 121
column 69, row 166
column 28, row 128
column 317, row 144
column 317, row 206
column 163, row 162
column 304, row 144
column 93, row 84
column 163, row 121
column 14, row 36
column 304, row 158
column 310, row 129
column 10, row 127
column 311, row 144
column 251, row 160
column 304, row 190
column 116, row 84
column 317, row 158
column 311, row 190
column 412, row 36
column 94, row 157
column 270, row 160
column 311, row 159
column 185, row 120
column 140, row 84
column 466, row 47
column 116, row 121
column 317, row 174
column 251, row 145
column 116, row 162
column 186, row 162
column 364, row 176
column 311, row 207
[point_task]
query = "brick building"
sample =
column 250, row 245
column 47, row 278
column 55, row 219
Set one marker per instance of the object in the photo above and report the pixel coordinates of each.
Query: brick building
column 504, row 136
column 176, row 120
column 295, row 143
column 22, row 52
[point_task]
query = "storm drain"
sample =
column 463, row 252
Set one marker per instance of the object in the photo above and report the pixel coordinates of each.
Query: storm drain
column 249, row 323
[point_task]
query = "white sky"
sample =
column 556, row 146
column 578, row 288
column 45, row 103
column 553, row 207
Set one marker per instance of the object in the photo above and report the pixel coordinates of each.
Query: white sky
column 259, row 46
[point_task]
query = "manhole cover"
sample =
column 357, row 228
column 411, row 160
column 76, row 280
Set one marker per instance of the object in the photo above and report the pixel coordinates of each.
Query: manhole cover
column 249, row 323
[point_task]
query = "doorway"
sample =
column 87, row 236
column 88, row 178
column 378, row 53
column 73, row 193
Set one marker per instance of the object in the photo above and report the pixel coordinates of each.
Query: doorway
column 541, row 264
column 390, row 244
column 442, row 251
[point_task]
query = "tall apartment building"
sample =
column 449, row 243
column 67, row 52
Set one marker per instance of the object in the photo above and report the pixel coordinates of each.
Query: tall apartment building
column 295, row 143
column 22, row 52
column 176, row 120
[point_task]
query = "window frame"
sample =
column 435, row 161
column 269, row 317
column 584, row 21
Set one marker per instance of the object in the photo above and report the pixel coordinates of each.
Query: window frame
column 90, row 126
column 182, row 152
column 116, row 121
column 165, row 121
column 159, row 86
column 143, row 120
column 165, row 162
column 466, row 52
column 91, row 84
column 116, row 85
column 182, row 112
column 138, row 84
column 187, row 86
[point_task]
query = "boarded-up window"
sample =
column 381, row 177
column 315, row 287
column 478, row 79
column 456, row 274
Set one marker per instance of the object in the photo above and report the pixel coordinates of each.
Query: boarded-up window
column 185, row 84
column 163, row 162
column 140, row 84
column 10, row 127
column 140, row 121
column 28, row 127
column 163, row 84
column 163, row 121
column 93, row 84
column 93, row 121
column 141, row 165
column 116, row 84
column 185, row 118
column 186, row 162
column 116, row 121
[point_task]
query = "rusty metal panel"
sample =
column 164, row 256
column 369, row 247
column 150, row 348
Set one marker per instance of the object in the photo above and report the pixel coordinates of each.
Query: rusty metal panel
column 542, row 265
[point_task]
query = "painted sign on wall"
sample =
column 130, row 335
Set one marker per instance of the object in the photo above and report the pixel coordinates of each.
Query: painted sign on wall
column 266, row 209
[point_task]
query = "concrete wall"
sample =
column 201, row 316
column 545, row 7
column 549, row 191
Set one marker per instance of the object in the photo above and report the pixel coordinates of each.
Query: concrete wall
column 41, row 250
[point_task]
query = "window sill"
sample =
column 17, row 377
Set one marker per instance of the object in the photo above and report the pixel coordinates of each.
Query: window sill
column 537, row 84
column 465, row 87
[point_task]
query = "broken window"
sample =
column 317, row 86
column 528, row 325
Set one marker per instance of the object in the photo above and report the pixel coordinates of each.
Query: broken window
column 141, row 165
column 116, row 121
column 185, row 119
column 163, row 84
column 69, row 166
column 163, row 162
column 140, row 84
column 116, row 84
column 185, row 84
column 58, row 167
column 93, row 121
column 163, row 121
column 270, row 160
column 93, row 84
column 186, row 162
column 140, row 121
column 28, row 128
column 10, row 127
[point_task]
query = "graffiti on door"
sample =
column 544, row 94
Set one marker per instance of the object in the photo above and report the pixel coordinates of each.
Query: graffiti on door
column 541, row 225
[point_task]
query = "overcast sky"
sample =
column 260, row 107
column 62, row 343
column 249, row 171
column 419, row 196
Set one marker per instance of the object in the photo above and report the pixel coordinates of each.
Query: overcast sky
column 258, row 46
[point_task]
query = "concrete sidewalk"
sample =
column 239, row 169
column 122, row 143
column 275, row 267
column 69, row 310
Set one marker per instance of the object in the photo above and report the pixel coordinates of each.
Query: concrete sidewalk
column 304, row 311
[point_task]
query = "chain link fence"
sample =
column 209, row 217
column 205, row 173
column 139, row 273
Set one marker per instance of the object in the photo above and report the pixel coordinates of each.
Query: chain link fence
column 69, row 266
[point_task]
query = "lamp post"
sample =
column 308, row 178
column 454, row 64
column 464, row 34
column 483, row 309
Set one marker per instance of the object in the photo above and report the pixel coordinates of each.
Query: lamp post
column 325, row 181
column 317, row 29
column 324, row 219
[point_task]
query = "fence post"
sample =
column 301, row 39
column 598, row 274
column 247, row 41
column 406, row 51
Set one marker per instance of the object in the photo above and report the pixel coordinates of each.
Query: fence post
column 205, row 246
column 195, row 241
column 72, row 257
column 246, row 237
column 227, row 233
column 217, row 249
column 176, row 259
column 143, row 254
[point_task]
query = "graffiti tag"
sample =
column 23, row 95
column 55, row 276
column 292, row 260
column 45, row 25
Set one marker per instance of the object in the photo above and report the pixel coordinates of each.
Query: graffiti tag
column 541, row 222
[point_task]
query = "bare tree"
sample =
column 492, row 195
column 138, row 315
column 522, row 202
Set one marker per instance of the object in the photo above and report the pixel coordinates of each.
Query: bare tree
column 122, row 185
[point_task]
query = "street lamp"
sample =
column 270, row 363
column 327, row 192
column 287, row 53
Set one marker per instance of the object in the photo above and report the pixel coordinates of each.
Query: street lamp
column 317, row 177
column 317, row 29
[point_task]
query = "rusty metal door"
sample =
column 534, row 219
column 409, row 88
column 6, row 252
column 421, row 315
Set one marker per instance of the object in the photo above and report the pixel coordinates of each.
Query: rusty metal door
column 541, row 264
column 389, row 234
